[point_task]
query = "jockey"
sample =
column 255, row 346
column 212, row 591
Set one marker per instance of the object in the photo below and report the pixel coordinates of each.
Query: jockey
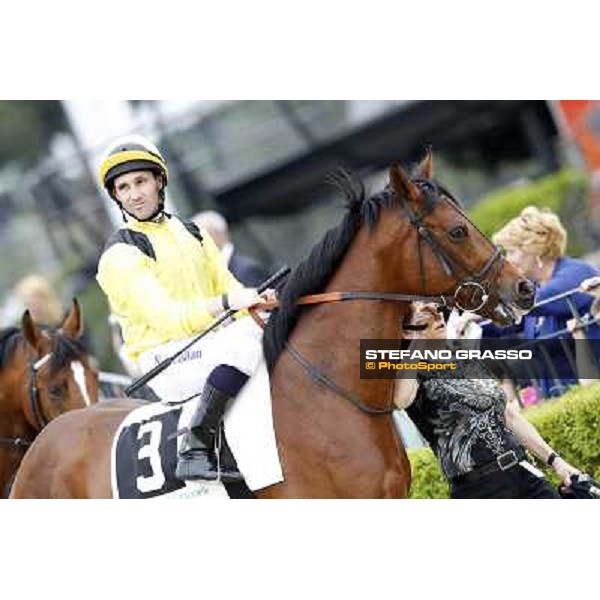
column 166, row 282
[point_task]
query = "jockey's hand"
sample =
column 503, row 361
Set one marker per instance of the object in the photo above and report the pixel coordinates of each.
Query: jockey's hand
column 243, row 298
column 269, row 295
column 564, row 470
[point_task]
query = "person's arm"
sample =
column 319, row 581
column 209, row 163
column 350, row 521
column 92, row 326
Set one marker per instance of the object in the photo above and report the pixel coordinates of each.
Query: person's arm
column 565, row 279
column 530, row 437
column 133, row 289
column 584, row 357
column 405, row 392
column 560, row 308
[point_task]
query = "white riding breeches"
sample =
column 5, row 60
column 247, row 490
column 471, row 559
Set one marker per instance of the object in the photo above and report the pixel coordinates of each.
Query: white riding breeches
column 238, row 344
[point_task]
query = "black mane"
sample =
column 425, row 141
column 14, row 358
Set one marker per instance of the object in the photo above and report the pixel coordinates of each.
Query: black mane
column 64, row 349
column 312, row 274
column 9, row 340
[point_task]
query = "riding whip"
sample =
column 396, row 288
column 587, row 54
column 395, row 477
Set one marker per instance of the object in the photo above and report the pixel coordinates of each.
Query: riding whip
column 144, row 379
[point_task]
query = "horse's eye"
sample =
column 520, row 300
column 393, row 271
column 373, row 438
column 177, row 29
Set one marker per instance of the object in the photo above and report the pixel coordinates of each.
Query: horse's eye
column 458, row 233
column 56, row 391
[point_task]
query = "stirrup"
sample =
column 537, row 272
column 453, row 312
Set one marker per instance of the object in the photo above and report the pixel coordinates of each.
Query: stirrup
column 196, row 464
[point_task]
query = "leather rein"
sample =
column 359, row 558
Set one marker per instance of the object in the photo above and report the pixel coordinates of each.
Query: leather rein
column 451, row 265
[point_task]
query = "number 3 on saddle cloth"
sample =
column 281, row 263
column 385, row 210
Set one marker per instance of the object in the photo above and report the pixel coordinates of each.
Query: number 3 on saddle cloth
column 144, row 451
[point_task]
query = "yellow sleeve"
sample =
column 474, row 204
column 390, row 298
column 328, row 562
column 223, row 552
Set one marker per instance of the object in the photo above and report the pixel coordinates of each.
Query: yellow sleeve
column 133, row 290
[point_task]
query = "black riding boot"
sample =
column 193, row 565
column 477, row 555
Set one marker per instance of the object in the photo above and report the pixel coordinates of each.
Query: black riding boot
column 197, row 458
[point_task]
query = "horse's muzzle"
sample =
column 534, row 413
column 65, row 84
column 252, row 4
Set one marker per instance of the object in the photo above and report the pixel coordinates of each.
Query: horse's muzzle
column 525, row 297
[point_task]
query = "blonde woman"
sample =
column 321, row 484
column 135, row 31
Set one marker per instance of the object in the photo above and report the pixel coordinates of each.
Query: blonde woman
column 536, row 242
column 35, row 293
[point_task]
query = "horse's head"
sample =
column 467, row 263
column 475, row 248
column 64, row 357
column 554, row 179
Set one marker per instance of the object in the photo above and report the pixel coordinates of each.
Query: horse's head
column 61, row 375
column 450, row 257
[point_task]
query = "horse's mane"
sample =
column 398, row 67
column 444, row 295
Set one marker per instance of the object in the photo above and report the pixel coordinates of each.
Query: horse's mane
column 64, row 349
column 9, row 340
column 312, row 274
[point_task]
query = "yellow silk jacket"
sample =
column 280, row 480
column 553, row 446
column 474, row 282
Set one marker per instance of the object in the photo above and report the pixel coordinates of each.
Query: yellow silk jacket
column 157, row 277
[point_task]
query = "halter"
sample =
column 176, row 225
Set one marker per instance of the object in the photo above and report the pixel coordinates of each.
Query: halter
column 15, row 442
column 451, row 265
column 34, row 405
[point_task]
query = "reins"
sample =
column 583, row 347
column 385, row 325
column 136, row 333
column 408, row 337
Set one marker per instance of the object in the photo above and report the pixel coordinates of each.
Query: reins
column 327, row 297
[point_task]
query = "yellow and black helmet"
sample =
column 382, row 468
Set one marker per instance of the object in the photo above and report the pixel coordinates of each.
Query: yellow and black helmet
column 131, row 153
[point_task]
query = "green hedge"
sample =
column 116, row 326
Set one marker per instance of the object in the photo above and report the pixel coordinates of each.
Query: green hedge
column 571, row 425
column 565, row 193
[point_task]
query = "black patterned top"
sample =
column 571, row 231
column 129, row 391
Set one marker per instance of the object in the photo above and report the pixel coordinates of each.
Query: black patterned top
column 462, row 418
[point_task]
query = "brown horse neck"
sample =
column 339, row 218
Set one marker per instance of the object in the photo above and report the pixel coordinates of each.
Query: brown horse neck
column 372, row 264
column 15, row 431
column 329, row 334
column 13, row 424
column 376, row 259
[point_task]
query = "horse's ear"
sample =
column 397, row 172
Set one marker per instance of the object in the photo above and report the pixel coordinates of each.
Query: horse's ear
column 31, row 331
column 401, row 183
column 72, row 326
column 425, row 168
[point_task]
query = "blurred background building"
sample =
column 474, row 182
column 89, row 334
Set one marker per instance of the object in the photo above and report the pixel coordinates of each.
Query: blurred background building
column 262, row 164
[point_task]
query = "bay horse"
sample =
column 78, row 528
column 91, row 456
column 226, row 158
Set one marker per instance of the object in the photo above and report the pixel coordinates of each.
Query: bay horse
column 43, row 373
column 334, row 430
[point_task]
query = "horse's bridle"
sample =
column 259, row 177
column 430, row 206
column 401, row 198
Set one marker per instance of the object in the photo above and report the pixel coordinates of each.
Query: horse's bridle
column 34, row 406
column 451, row 265
column 17, row 442
column 35, row 403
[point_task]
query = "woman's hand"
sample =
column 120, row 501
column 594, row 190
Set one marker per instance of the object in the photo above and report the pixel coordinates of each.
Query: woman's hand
column 576, row 330
column 564, row 470
column 591, row 285
column 429, row 321
column 460, row 323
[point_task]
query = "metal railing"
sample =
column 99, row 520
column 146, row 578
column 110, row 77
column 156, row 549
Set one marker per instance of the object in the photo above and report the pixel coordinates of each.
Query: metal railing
column 549, row 371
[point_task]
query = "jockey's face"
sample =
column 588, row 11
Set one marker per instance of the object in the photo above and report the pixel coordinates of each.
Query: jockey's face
column 139, row 193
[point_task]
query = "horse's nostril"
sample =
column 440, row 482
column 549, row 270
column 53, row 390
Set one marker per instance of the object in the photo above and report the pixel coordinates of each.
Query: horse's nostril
column 525, row 288
column 525, row 294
